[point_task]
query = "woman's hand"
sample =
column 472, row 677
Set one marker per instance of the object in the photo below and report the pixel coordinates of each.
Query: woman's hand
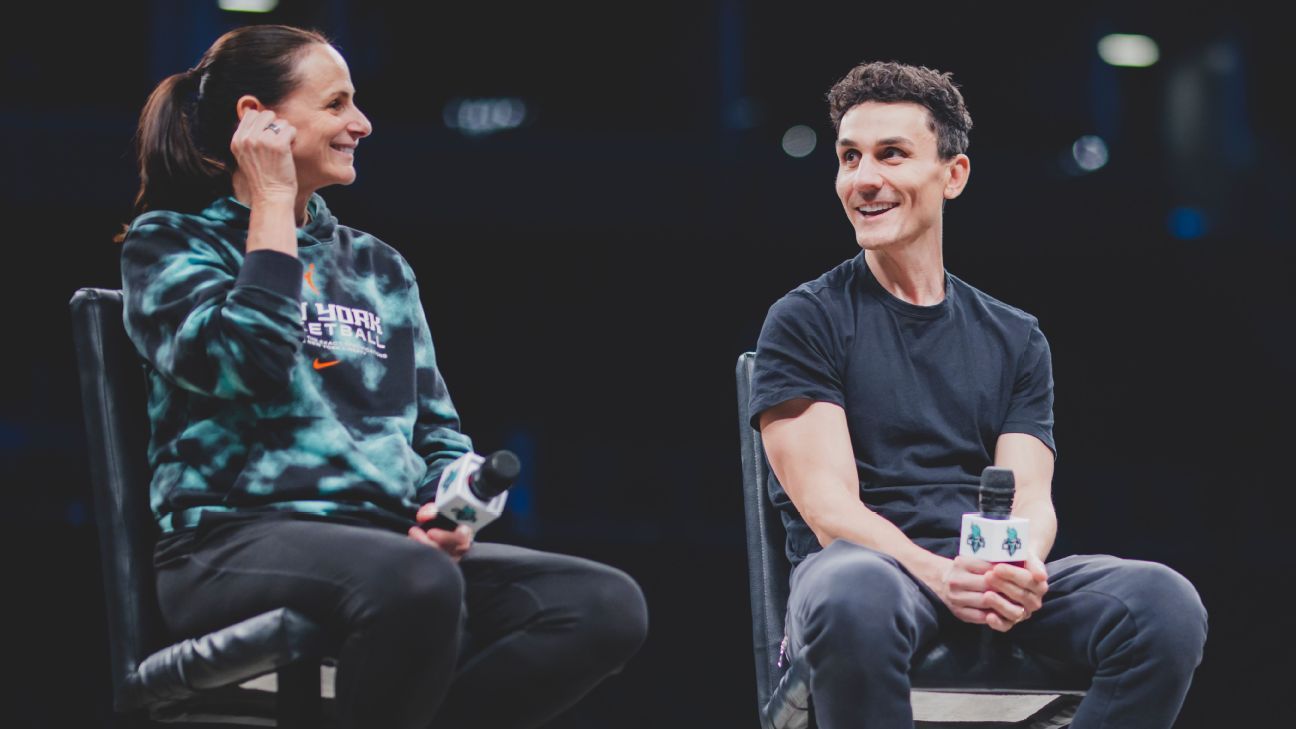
column 454, row 543
column 262, row 146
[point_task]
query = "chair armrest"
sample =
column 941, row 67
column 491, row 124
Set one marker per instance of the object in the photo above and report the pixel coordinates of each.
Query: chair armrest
column 254, row 647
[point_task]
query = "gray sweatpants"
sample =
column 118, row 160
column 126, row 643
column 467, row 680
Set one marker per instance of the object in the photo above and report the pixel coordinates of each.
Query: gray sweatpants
column 857, row 618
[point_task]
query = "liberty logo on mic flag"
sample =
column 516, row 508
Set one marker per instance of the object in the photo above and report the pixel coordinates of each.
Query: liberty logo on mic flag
column 1012, row 543
column 467, row 513
column 993, row 540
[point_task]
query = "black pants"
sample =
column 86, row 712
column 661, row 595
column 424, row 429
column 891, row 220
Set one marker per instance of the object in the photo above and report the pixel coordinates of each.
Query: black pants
column 509, row 637
column 857, row 617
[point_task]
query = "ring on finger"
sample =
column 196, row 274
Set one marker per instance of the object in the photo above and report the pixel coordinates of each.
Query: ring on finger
column 273, row 127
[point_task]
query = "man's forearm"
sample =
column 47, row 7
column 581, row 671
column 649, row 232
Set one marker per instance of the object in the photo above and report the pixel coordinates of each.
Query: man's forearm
column 1032, row 463
column 1043, row 524
column 809, row 449
column 857, row 523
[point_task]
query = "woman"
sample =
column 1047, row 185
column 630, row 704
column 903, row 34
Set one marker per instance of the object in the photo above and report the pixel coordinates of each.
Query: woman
column 300, row 424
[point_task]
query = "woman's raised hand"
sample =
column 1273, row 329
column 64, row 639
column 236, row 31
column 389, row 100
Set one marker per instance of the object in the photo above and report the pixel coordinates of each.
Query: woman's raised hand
column 262, row 146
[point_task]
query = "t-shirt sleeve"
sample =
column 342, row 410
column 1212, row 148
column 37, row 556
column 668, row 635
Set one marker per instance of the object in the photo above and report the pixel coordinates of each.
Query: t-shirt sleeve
column 1031, row 409
column 796, row 356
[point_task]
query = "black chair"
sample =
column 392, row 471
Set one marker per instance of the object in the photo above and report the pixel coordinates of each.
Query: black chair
column 195, row 680
column 990, row 665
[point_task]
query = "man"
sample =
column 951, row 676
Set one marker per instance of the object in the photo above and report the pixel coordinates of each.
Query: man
column 882, row 389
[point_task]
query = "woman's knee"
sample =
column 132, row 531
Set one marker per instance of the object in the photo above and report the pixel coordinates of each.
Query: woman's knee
column 418, row 589
column 612, row 614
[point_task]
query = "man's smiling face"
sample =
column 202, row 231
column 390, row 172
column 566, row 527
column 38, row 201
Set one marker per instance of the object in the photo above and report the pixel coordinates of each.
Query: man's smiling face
column 890, row 178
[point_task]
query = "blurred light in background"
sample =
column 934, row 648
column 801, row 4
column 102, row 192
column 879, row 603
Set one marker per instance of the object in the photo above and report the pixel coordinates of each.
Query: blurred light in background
column 13, row 436
column 742, row 114
column 1187, row 223
column 1089, row 153
column 247, row 6
column 521, row 500
column 799, row 141
column 1132, row 51
column 477, row 117
column 1212, row 152
column 76, row 514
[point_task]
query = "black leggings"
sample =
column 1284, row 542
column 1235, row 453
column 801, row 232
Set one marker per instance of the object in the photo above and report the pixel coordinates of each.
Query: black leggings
column 509, row 637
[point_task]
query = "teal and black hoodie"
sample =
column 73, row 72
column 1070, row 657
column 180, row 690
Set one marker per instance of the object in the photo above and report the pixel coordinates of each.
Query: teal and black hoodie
column 276, row 383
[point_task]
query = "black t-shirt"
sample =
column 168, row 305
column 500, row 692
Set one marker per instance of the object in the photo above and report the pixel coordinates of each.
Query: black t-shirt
column 927, row 391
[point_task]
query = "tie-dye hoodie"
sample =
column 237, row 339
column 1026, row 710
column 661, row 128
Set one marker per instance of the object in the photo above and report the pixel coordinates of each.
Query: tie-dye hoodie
column 277, row 383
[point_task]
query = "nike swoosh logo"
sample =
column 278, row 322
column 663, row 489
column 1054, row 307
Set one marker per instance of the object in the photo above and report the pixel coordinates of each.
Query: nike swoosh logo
column 321, row 365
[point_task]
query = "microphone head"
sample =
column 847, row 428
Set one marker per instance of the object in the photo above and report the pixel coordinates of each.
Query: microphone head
column 496, row 475
column 997, row 489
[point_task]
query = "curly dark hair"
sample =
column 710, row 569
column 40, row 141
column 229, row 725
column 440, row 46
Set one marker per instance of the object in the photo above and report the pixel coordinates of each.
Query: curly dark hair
column 889, row 81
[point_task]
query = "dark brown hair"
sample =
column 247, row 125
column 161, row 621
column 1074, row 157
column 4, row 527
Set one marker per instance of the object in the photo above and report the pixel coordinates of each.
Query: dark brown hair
column 188, row 121
column 889, row 82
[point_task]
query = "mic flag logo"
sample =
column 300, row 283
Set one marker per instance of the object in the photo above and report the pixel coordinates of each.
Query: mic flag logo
column 976, row 541
column 463, row 514
column 1012, row 543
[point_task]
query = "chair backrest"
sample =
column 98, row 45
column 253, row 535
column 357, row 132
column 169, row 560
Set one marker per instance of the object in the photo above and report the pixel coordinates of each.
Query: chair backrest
column 113, row 394
column 767, row 564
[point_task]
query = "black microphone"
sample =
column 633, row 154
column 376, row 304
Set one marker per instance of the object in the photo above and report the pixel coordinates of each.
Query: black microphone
column 994, row 534
column 472, row 489
column 495, row 475
column 997, row 490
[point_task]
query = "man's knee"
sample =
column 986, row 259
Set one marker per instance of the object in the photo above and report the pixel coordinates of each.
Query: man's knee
column 1168, row 612
column 855, row 592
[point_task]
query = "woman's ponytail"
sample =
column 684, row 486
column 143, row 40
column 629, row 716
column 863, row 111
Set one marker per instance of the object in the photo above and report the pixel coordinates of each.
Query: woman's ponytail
column 174, row 173
column 188, row 121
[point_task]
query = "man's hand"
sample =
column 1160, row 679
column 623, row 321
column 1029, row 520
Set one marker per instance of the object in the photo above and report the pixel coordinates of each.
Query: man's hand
column 971, row 589
column 1024, row 586
column 454, row 543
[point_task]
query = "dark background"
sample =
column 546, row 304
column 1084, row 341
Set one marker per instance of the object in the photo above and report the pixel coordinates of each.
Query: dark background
column 591, row 276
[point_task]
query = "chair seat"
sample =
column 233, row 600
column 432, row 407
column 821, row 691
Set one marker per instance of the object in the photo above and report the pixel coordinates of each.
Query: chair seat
column 981, row 660
column 235, row 705
column 977, row 662
column 225, row 658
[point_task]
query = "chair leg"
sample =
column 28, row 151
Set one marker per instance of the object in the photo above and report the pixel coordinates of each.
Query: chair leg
column 298, row 703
